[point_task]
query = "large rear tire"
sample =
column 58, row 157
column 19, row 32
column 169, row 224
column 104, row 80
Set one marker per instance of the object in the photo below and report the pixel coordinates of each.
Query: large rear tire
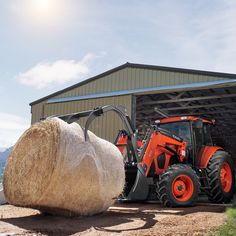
column 221, row 178
column 178, row 186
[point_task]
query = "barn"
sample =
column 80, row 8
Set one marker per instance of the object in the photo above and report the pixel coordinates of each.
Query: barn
column 147, row 92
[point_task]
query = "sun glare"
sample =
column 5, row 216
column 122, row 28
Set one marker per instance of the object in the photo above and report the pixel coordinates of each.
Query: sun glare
column 41, row 5
column 41, row 12
column 43, row 8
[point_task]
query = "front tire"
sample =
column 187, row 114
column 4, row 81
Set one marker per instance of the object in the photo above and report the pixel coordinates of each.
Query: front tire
column 220, row 173
column 178, row 186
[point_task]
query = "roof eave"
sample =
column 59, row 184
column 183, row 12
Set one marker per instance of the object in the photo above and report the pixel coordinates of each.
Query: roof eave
column 141, row 66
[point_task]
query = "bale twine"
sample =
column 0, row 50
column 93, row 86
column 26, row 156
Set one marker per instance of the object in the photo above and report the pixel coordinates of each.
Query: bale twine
column 53, row 169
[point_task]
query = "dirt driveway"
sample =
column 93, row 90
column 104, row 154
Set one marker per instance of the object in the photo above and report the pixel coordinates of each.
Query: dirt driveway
column 122, row 219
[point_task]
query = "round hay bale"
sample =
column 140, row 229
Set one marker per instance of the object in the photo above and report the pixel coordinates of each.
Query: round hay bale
column 53, row 169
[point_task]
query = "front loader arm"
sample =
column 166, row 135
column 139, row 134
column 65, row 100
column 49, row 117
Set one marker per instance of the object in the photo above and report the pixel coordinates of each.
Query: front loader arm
column 118, row 110
column 96, row 112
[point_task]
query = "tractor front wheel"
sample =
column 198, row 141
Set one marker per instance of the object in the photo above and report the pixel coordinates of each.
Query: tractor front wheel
column 178, row 186
column 220, row 173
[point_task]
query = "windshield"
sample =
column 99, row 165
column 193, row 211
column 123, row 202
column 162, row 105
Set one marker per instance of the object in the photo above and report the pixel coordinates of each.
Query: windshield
column 180, row 129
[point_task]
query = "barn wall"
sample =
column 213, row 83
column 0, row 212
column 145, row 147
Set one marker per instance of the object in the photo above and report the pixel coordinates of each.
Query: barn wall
column 37, row 111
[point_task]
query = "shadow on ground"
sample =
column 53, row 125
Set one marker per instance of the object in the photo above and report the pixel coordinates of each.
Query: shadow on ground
column 47, row 224
column 145, row 215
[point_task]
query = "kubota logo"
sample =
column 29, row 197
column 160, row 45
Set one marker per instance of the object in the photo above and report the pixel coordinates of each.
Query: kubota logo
column 150, row 153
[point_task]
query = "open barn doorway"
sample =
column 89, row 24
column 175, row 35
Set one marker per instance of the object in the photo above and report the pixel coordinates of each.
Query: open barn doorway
column 217, row 104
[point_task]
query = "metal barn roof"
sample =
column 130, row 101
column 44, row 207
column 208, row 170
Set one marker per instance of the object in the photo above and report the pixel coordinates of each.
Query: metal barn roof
column 217, row 75
column 152, row 90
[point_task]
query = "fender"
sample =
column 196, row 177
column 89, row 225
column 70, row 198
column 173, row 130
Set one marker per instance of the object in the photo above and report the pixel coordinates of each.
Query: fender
column 205, row 155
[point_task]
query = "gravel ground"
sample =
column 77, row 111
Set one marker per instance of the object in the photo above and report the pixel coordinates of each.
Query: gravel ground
column 123, row 219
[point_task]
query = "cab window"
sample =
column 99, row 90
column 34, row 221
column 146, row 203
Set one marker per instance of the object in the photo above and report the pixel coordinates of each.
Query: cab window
column 180, row 129
column 207, row 135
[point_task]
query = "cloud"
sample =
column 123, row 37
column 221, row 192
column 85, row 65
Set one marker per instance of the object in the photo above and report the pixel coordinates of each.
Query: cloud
column 47, row 74
column 11, row 127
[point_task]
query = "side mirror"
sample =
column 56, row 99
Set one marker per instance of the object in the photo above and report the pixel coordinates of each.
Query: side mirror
column 198, row 124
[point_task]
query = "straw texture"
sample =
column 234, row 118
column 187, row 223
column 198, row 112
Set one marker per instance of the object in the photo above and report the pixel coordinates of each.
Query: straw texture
column 53, row 169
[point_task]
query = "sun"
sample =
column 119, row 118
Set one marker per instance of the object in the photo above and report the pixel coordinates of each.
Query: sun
column 42, row 6
column 45, row 11
column 40, row 14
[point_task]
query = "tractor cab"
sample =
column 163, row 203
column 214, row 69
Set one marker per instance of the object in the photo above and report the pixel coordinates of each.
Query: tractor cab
column 195, row 131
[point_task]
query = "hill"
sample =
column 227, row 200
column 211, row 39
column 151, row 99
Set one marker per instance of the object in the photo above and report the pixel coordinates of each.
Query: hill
column 3, row 157
column 4, row 154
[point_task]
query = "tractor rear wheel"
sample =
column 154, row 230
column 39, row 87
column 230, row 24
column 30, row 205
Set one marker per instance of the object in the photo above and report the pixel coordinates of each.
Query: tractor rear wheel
column 178, row 186
column 220, row 173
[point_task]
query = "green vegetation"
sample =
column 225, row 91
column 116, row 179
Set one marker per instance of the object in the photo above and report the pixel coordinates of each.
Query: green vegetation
column 229, row 228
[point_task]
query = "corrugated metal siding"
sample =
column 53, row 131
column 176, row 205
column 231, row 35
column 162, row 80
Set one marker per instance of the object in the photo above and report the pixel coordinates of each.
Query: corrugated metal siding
column 37, row 111
column 105, row 127
column 133, row 78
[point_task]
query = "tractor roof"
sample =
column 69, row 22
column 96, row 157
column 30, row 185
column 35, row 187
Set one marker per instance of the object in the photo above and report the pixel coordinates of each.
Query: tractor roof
column 183, row 118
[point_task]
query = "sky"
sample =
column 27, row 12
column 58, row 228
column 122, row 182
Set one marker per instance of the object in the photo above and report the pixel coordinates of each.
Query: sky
column 47, row 45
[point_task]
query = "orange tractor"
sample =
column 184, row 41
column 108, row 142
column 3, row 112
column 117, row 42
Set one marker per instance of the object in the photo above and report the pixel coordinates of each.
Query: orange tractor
column 174, row 162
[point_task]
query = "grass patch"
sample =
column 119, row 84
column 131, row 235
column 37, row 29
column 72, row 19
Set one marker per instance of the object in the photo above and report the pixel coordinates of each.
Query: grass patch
column 229, row 228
